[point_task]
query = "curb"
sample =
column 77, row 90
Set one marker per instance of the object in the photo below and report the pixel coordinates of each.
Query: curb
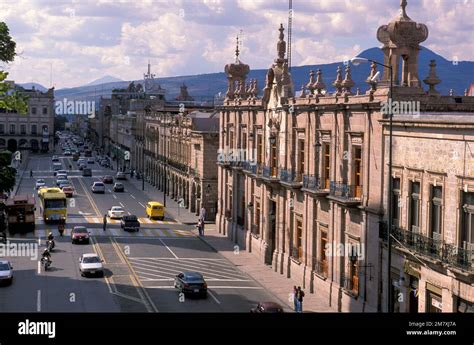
column 20, row 178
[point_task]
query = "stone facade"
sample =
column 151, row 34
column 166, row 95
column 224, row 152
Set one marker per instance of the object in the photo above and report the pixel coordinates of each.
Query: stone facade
column 33, row 131
column 303, row 181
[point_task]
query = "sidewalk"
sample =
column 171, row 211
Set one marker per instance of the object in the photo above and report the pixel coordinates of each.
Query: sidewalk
column 277, row 284
column 20, row 172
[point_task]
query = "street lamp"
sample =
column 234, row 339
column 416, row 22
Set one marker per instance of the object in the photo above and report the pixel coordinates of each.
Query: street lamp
column 357, row 61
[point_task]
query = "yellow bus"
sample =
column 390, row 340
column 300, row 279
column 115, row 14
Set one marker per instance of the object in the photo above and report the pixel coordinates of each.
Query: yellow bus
column 53, row 205
column 20, row 212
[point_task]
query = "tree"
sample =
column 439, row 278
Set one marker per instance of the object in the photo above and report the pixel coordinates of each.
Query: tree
column 10, row 99
column 7, row 173
column 60, row 122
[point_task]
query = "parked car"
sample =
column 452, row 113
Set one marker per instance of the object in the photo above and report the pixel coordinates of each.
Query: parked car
column 121, row 176
column 80, row 234
column 116, row 212
column 267, row 307
column 90, row 264
column 130, row 223
column 40, row 183
column 98, row 187
column 108, row 179
column 68, row 190
column 118, row 187
column 6, row 272
column 191, row 283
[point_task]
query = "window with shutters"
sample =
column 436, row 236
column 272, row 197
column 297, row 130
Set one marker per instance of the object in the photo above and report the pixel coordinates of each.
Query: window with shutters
column 435, row 212
column 414, row 220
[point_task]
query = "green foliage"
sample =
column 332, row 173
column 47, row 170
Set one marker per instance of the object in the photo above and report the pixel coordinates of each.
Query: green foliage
column 7, row 173
column 10, row 99
column 59, row 122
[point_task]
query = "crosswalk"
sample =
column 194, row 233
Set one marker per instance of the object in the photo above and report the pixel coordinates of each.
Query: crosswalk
column 116, row 232
column 100, row 220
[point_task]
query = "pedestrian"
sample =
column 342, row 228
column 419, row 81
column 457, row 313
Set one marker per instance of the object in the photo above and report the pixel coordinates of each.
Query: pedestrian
column 200, row 227
column 131, row 173
column 295, row 300
column 105, row 222
column 299, row 297
column 202, row 214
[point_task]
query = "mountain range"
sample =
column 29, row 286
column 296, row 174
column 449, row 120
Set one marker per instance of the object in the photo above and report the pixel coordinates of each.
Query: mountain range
column 456, row 75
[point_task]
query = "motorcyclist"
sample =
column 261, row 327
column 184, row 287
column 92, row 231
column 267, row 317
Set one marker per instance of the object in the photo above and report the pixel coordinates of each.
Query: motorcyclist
column 61, row 228
column 46, row 255
column 50, row 236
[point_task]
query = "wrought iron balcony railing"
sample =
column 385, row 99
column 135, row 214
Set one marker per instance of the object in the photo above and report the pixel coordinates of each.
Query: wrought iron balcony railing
column 345, row 192
column 270, row 172
column 437, row 249
column 311, row 182
column 350, row 283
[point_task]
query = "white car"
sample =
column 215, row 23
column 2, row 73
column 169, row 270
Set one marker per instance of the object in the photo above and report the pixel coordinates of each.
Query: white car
column 116, row 212
column 6, row 272
column 40, row 183
column 90, row 264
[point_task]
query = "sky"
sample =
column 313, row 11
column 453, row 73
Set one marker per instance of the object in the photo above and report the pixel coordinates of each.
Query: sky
column 83, row 40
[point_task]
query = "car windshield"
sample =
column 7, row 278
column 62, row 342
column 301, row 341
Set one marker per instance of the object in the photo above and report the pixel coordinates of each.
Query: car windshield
column 40, row 181
column 91, row 260
column 98, row 184
column 116, row 208
column 80, row 230
column 118, row 185
column 193, row 278
column 4, row 267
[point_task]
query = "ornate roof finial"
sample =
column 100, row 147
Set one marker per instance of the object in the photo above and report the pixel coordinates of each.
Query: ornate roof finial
column 281, row 45
column 237, row 50
column 403, row 5
column 432, row 80
column 310, row 85
column 319, row 84
column 451, row 92
column 303, row 91
column 348, row 83
column 338, row 82
column 466, row 92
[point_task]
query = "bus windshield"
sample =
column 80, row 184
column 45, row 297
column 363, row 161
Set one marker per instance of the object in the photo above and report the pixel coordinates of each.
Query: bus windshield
column 57, row 203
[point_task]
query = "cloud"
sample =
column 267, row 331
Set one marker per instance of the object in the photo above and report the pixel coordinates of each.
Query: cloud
column 88, row 39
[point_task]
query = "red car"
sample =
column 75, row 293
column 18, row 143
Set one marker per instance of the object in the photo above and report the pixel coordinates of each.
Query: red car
column 69, row 191
column 80, row 234
column 108, row 179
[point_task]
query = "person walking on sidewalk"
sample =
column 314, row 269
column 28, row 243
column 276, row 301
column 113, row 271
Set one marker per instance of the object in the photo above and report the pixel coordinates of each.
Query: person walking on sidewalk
column 295, row 300
column 202, row 214
column 299, row 297
column 105, row 222
column 201, row 227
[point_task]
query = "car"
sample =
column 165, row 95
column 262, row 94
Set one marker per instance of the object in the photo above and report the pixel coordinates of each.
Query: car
column 90, row 161
column 80, row 234
column 40, row 183
column 57, row 167
column 82, row 166
column 116, row 212
column 155, row 209
column 87, row 172
column 6, row 272
column 118, row 187
column 55, row 159
column 191, row 283
column 61, row 180
column 67, row 153
column 62, row 172
column 98, row 187
column 90, row 264
column 68, row 190
column 267, row 307
column 121, row 176
column 130, row 223
column 108, row 179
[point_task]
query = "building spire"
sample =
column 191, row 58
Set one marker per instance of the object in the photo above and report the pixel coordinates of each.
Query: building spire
column 403, row 5
column 237, row 49
column 281, row 45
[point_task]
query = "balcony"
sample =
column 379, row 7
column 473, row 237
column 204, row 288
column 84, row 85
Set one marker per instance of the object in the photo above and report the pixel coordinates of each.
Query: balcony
column 270, row 174
column 290, row 178
column 296, row 253
column 344, row 193
column 313, row 184
column 350, row 284
column 432, row 249
column 320, row 267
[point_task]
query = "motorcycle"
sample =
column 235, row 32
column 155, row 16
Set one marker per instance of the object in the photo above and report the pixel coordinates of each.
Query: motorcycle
column 61, row 229
column 46, row 262
column 50, row 244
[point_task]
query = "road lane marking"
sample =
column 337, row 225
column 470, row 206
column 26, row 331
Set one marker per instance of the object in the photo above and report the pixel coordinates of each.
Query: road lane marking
column 39, row 267
column 38, row 300
column 91, row 200
column 175, row 256
column 121, row 204
column 132, row 196
column 213, row 297
column 115, row 197
column 142, row 205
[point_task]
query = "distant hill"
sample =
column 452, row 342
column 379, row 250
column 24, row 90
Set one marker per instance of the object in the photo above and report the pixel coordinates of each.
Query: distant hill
column 104, row 80
column 457, row 76
column 35, row 85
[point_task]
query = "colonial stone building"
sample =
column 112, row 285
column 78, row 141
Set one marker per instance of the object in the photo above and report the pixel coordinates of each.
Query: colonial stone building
column 33, row 131
column 303, row 182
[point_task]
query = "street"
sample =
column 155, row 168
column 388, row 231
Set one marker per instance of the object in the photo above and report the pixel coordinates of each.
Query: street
column 139, row 266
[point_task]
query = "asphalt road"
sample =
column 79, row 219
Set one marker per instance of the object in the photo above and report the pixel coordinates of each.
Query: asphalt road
column 139, row 267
